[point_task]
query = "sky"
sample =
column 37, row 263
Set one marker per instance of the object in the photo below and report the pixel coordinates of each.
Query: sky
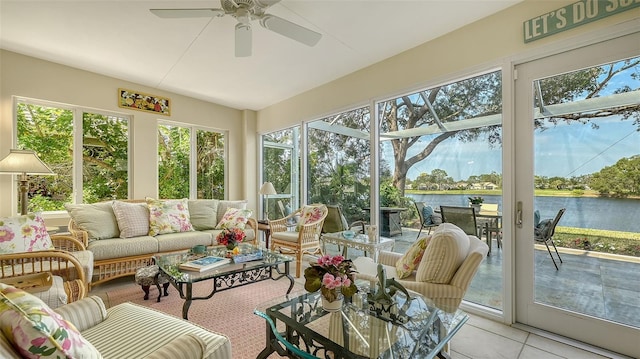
column 563, row 150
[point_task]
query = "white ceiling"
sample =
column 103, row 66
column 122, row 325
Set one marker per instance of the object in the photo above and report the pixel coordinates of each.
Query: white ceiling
column 195, row 57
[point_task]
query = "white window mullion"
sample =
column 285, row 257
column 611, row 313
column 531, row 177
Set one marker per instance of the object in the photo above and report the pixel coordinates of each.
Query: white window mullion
column 77, row 155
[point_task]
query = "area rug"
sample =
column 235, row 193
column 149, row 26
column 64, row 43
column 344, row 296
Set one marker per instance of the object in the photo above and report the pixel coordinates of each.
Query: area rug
column 229, row 312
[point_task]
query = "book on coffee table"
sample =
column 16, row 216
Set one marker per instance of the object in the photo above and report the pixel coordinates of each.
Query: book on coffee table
column 205, row 263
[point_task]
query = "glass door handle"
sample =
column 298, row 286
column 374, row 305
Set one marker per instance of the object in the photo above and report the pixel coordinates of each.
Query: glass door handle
column 519, row 214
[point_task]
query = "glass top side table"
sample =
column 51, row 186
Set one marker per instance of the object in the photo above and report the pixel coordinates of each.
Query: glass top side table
column 421, row 331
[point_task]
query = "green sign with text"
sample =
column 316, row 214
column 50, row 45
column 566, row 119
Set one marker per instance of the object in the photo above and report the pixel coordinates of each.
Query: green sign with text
column 576, row 14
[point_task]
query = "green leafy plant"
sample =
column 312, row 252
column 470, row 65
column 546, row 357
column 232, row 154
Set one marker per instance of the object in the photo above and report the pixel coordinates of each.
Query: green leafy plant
column 476, row 200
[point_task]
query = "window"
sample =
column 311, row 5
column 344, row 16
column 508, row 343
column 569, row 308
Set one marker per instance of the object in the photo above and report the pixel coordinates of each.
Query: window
column 442, row 145
column 179, row 156
column 48, row 129
column 281, row 166
column 339, row 162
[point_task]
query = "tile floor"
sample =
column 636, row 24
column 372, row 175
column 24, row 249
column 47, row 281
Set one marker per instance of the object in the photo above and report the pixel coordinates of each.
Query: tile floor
column 479, row 338
column 482, row 338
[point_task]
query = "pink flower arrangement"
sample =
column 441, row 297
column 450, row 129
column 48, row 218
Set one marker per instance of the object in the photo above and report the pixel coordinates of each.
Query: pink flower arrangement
column 333, row 275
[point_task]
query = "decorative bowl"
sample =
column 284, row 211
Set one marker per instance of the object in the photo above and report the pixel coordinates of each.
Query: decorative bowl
column 348, row 234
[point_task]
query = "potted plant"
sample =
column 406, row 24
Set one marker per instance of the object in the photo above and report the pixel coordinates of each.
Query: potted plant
column 476, row 202
column 333, row 276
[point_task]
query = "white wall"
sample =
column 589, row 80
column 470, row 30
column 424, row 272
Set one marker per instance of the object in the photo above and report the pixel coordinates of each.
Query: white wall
column 33, row 78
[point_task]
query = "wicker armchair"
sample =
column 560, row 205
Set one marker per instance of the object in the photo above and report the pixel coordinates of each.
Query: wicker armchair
column 59, row 263
column 306, row 237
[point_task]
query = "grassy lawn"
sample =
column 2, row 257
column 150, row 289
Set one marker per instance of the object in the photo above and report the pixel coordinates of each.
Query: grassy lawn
column 614, row 242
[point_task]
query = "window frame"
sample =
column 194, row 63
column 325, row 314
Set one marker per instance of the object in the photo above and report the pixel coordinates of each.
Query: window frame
column 193, row 180
column 78, row 142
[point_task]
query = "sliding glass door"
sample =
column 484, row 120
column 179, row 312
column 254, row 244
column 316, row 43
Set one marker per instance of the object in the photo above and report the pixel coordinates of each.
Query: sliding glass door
column 578, row 133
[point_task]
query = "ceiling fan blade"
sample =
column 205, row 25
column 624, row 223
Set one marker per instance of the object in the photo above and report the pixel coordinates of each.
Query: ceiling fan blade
column 243, row 40
column 290, row 30
column 186, row 13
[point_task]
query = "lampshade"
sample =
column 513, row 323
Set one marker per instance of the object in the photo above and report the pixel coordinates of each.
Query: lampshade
column 267, row 189
column 23, row 162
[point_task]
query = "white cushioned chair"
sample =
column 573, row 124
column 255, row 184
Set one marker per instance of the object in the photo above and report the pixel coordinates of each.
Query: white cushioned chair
column 443, row 274
column 305, row 237
column 131, row 331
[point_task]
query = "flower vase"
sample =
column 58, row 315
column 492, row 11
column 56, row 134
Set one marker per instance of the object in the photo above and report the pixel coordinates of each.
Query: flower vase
column 334, row 306
column 476, row 207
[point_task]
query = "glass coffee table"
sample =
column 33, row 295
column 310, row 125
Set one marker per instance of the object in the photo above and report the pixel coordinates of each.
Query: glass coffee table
column 418, row 329
column 272, row 265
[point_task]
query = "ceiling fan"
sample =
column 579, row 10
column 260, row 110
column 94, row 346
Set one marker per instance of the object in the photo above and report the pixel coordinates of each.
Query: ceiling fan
column 245, row 11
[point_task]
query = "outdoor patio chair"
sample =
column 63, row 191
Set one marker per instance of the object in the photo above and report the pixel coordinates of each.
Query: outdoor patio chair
column 544, row 233
column 463, row 217
column 335, row 221
column 490, row 226
column 306, row 236
column 426, row 221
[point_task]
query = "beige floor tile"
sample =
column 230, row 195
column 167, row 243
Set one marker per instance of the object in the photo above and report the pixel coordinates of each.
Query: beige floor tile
column 455, row 355
column 477, row 343
column 529, row 352
column 561, row 349
column 497, row 328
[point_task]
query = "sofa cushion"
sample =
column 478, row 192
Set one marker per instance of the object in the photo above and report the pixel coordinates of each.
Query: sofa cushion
column 36, row 331
column 223, row 205
column 26, row 233
column 445, row 252
column 204, row 213
column 97, row 219
column 132, row 218
column 123, row 247
column 168, row 216
column 410, row 260
column 179, row 241
column 234, row 218
column 113, row 336
column 55, row 296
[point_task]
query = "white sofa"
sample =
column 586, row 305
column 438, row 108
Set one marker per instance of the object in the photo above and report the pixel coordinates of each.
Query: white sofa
column 96, row 226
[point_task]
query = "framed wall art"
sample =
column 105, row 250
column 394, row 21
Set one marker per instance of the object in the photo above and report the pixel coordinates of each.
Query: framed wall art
column 143, row 102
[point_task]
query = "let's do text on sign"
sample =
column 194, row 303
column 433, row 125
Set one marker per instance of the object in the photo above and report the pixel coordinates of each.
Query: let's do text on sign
column 576, row 14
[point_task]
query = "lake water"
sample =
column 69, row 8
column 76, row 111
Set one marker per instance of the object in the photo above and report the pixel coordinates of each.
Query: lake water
column 582, row 212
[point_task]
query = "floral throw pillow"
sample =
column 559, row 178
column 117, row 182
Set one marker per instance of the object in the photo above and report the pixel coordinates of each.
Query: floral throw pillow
column 36, row 331
column 26, row 233
column 311, row 214
column 168, row 216
column 234, row 218
column 411, row 259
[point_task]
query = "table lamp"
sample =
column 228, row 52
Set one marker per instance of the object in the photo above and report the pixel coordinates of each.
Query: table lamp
column 23, row 162
column 266, row 190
